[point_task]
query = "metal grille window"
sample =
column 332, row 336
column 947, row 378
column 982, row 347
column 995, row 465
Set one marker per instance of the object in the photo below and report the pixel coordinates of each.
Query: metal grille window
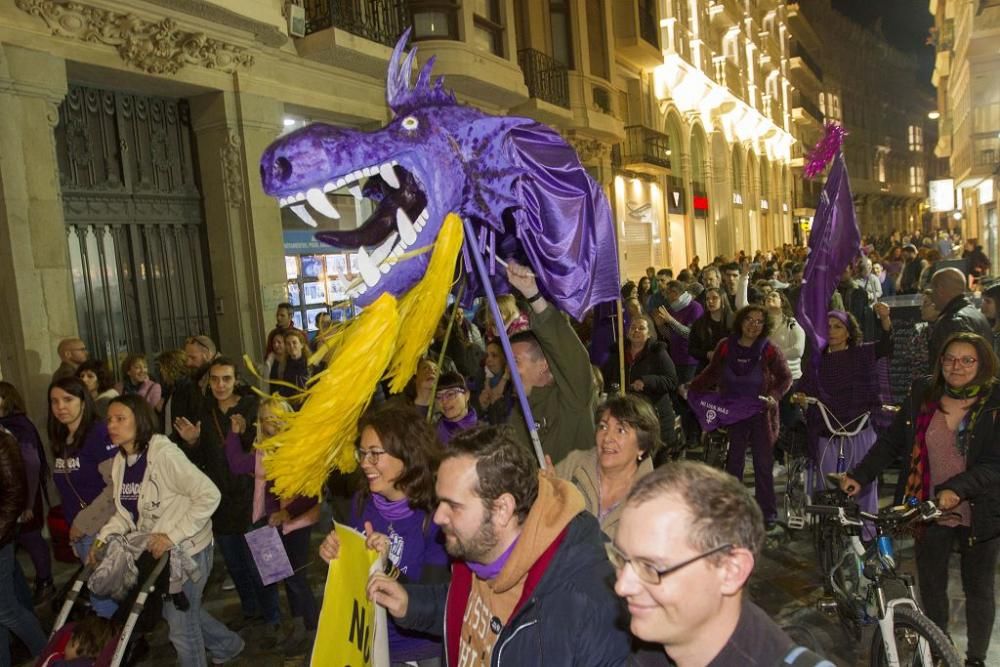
column 546, row 78
column 381, row 21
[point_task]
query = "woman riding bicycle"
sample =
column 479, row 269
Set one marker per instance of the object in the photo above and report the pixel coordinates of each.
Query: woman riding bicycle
column 948, row 430
column 747, row 366
column 845, row 377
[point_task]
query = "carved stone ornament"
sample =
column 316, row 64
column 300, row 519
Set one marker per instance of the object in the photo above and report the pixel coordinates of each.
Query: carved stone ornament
column 154, row 47
column 231, row 156
column 589, row 150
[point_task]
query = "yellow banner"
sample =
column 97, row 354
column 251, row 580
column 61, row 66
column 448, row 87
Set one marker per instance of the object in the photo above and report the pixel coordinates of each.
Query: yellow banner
column 352, row 630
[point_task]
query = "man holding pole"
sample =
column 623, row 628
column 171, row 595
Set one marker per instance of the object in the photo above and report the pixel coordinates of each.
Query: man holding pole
column 554, row 368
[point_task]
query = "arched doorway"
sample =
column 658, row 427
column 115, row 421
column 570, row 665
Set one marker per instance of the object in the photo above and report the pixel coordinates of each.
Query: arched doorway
column 678, row 238
column 703, row 242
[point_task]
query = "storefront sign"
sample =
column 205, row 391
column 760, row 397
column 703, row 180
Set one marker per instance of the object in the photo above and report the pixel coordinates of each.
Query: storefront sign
column 737, row 199
column 942, row 195
column 700, row 203
column 675, row 201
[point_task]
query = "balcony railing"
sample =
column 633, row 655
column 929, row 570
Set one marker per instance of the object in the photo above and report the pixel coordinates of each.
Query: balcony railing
column 547, row 78
column 646, row 145
column 727, row 73
column 381, row 21
column 602, row 99
column 986, row 158
column 798, row 52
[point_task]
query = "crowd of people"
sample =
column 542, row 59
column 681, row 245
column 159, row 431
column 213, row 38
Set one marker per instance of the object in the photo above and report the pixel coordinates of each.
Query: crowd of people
column 616, row 551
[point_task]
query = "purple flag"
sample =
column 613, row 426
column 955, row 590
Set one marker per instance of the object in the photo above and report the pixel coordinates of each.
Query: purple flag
column 269, row 554
column 834, row 242
column 714, row 410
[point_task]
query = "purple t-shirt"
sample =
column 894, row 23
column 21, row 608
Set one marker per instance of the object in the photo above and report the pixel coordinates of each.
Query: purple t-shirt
column 76, row 475
column 412, row 544
column 128, row 495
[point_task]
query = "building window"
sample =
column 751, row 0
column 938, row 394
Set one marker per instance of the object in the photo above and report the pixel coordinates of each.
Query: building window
column 434, row 19
column 916, row 180
column 916, row 137
column 487, row 26
column 596, row 39
column 562, row 35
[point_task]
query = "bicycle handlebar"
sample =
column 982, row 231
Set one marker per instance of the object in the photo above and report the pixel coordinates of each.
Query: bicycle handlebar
column 851, row 515
column 842, row 429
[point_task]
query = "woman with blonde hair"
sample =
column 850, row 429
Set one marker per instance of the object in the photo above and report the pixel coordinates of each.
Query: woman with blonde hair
column 294, row 518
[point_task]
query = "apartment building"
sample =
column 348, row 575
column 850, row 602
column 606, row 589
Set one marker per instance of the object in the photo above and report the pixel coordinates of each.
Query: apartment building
column 966, row 75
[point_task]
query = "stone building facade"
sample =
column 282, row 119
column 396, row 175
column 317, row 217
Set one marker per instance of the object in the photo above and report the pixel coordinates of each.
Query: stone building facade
column 130, row 206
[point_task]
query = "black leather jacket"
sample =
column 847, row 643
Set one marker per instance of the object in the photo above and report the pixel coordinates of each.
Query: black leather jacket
column 979, row 484
column 959, row 315
column 13, row 487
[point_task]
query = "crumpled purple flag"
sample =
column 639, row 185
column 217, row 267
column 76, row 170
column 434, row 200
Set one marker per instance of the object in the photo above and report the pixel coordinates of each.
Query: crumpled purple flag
column 834, row 242
column 714, row 410
column 269, row 554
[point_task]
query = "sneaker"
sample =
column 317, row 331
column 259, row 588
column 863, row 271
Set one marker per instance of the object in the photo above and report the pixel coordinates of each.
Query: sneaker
column 228, row 585
column 245, row 622
column 223, row 661
column 270, row 636
column 44, row 590
column 778, row 470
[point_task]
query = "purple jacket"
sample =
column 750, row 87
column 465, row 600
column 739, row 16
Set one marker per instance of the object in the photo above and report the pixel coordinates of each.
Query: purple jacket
column 677, row 337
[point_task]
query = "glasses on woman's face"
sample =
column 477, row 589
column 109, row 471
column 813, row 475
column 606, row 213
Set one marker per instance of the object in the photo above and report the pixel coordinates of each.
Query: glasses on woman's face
column 754, row 322
column 648, row 572
column 448, row 394
column 370, row 455
column 962, row 362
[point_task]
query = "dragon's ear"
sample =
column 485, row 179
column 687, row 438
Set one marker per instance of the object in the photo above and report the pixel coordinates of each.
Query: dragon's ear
column 401, row 98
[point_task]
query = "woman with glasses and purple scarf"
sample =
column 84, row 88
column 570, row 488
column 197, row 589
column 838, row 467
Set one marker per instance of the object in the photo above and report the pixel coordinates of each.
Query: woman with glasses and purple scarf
column 750, row 375
column 398, row 456
column 948, row 436
column 849, row 377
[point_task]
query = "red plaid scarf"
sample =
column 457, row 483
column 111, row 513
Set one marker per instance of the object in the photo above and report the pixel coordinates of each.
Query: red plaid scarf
column 918, row 483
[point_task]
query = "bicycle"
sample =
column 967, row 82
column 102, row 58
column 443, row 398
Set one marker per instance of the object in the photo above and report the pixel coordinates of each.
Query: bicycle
column 860, row 577
column 801, row 470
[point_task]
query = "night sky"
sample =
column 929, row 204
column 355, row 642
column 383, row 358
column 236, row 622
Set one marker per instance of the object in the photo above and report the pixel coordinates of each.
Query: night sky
column 905, row 25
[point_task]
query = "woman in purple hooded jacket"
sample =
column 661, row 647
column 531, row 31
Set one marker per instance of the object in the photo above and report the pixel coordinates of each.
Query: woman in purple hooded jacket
column 14, row 419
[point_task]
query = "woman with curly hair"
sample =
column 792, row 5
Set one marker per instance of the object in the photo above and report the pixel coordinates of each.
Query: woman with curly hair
column 947, row 433
column 845, row 377
column 135, row 370
column 398, row 455
column 747, row 366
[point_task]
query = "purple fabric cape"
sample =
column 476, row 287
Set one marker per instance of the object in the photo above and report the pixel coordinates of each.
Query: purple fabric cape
column 833, row 243
column 714, row 410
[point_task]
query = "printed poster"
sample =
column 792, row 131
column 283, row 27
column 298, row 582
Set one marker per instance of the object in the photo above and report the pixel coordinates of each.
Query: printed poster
column 352, row 630
column 269, row 554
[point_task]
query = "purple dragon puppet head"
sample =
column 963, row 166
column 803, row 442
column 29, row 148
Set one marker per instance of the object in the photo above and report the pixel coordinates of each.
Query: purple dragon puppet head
column 517, row 181
column 444, row 179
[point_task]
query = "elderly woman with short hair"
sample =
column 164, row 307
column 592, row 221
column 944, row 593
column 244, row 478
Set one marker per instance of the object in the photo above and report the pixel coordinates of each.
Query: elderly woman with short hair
column 627, row 434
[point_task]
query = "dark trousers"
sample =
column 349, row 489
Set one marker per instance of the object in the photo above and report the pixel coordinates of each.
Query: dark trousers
column 300, row 596
column 242, row 569
column 752, row 433
column 689, row 423
column 978, row 565
column 38, row 550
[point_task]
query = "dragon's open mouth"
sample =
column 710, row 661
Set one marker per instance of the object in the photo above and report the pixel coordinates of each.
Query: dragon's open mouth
column 389, row 232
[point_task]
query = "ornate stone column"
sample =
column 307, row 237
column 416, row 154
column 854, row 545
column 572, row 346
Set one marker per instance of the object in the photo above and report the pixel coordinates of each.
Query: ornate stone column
column 37, row 306
column 244, row 226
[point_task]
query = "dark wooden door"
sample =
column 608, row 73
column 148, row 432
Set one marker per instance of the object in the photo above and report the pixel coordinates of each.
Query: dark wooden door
column 134, row 221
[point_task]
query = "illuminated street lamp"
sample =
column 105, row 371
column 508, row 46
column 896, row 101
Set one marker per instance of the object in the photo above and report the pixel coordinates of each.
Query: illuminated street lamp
column 934, row 115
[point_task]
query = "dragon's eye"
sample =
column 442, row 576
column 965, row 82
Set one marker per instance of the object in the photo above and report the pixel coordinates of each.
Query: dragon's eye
column 410, row 123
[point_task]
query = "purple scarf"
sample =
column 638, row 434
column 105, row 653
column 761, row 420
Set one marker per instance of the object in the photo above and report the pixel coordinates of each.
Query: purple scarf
column 491, row 570
column 741, row 360
column 392, row 510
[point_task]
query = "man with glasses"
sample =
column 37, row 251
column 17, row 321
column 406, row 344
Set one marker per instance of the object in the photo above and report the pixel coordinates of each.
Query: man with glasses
column 957, row 312
column 530, row 583
column 72, row 353
column 687, row 542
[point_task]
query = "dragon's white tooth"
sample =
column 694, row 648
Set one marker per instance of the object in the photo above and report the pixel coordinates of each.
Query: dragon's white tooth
column 300, row 196
column 424, row 215
column 369, row 272
column 282, row 201
column 318, row 201
column 340, row 183
column 330, row 186
column 355, row 190
column 300, row 210
column 398, row 251
column 406, row 231
column 384, row 268
column 382, row 251
column 388, row 175
column 357, row 176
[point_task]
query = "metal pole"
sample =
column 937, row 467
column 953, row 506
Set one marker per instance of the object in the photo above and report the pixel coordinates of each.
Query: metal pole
column 444, row 347
column 621, row 348
column 505, row 343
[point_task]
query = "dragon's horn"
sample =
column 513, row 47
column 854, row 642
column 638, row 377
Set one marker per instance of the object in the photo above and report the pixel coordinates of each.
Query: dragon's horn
column 398, row 74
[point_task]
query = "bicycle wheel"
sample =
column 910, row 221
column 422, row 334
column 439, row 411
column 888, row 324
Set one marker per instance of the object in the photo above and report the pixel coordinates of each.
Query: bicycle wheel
column 829, row 543
column 795, row 497
column 716, row 449
column 912, row 629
